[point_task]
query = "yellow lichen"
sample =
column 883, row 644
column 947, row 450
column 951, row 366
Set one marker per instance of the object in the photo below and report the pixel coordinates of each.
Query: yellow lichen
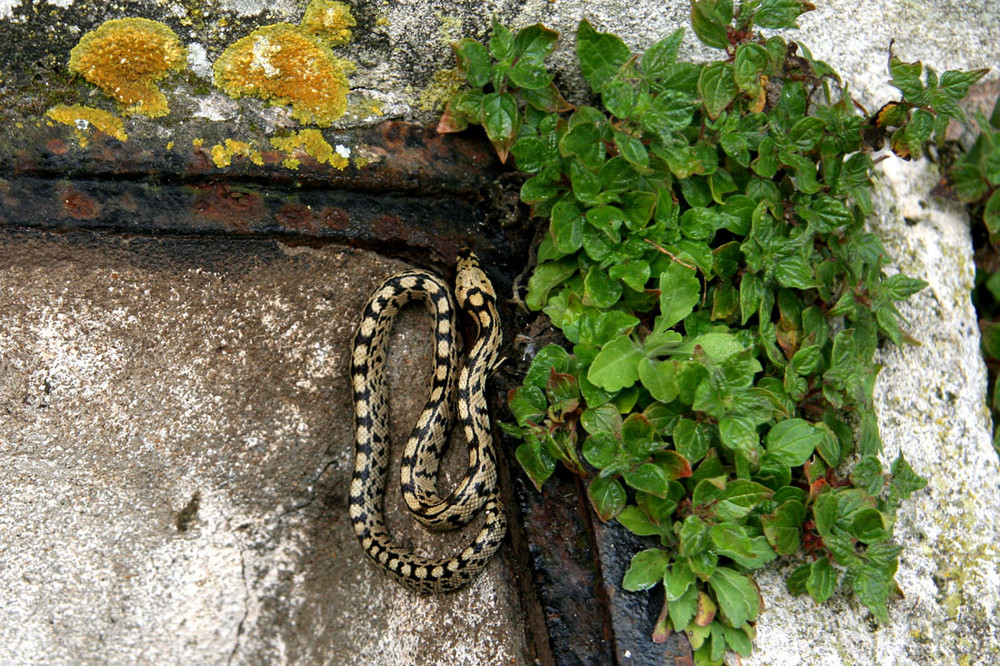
column 223, row 155
column 312, row 143
column 170, row 145
column 82, row 118
column 197, row 143
column 329, row 20
column 125, row 58
column 282, row 64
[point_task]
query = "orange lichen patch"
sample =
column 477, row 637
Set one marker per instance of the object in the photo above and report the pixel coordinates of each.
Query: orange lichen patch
column 125, row 58
column 312, row 143
column 329, row 20
column 282, row 64
column 223, row 155
column 83, row 118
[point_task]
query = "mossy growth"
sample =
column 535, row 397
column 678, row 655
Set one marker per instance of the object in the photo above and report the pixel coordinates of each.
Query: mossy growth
column 125, row 58
column 84, row 117
column 283, row 64
column 329, row 20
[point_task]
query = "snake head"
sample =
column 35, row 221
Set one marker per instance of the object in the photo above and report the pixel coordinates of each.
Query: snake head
column 472, row 286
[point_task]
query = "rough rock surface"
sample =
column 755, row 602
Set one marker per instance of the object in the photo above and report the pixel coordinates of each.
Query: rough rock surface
column 177, row 446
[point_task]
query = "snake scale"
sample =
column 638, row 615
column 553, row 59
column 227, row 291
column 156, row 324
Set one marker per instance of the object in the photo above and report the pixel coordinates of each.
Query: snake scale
column 425, row 446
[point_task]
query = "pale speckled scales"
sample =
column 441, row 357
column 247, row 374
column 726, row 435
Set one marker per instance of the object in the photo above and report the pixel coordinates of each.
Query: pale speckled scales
column 423, row 450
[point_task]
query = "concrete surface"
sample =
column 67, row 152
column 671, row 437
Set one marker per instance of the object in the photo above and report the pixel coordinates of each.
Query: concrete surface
column 177, row 440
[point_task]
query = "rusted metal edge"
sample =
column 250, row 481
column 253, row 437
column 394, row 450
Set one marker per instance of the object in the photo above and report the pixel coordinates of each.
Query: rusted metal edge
column 389, row 157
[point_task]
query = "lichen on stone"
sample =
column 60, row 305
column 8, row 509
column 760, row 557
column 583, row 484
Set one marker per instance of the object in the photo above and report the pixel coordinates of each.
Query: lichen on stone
column 443, row 85
column 222, row 154
column 284, row 65
column 125, row 58
column 329, row 20
column 82, row 118
column 309, row 142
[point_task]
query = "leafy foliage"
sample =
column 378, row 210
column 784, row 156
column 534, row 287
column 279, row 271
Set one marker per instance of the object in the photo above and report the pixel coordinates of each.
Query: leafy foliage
column 974, row 179
column 707, row 261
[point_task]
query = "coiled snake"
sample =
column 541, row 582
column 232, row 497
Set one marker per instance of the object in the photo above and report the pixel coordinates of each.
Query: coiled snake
column 423, row 450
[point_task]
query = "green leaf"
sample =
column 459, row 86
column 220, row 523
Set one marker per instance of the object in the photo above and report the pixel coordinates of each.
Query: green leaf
column 683, row 610
column 867, row 474
column 780, row 13
column 732, row 540
column 825, row 213
column 740, row 497
column 806, row 133
column 604, row 451
column 795, row 272
column 796, row 581
column 603, row 418
column 738, row 597
column 991, row 213
column 501, row 42
column 534, row 43
column 500, row 118
column 691, row 439
column 658, row 378
column 617, row 364
column 583, row 141
column 607, row 497
column 693, row 536
column 662, row 54
column 632, row 149
column 527, row 404
column 530, row 75
column 956, row 84
column 599, row 290
column 899, row 287
column 740, row 435
column 546, row 277
column 709, row 23
column 793, row 441
column 872, row 589
column 680, row 290
column 904, row 480
column 750, row 62
column 822, row 580
column 646, row 570
column 601, row 55
column 635, row 274
column 783, row 526
column 535, row 460
column 548, row 358
column 648, row 478
column 717, row 87
column 906, row 77
column 637, row 522
column 869, row 526
column 678, row 580
column 473, row 61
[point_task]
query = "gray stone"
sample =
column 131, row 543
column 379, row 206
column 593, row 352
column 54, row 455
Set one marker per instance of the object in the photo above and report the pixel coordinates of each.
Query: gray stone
column 177, row 439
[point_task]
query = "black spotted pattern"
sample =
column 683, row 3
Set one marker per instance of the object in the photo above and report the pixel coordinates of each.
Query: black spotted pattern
column 424, row 448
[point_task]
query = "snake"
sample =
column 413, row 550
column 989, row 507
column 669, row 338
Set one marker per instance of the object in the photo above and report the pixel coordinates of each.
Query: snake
column 477, row 489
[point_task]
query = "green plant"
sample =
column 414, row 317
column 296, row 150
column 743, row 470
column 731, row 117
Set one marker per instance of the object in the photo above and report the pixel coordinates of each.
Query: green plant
column 707, row 259
column 974, row 178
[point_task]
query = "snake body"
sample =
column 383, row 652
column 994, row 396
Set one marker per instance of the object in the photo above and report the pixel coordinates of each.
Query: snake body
column 425, row 446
